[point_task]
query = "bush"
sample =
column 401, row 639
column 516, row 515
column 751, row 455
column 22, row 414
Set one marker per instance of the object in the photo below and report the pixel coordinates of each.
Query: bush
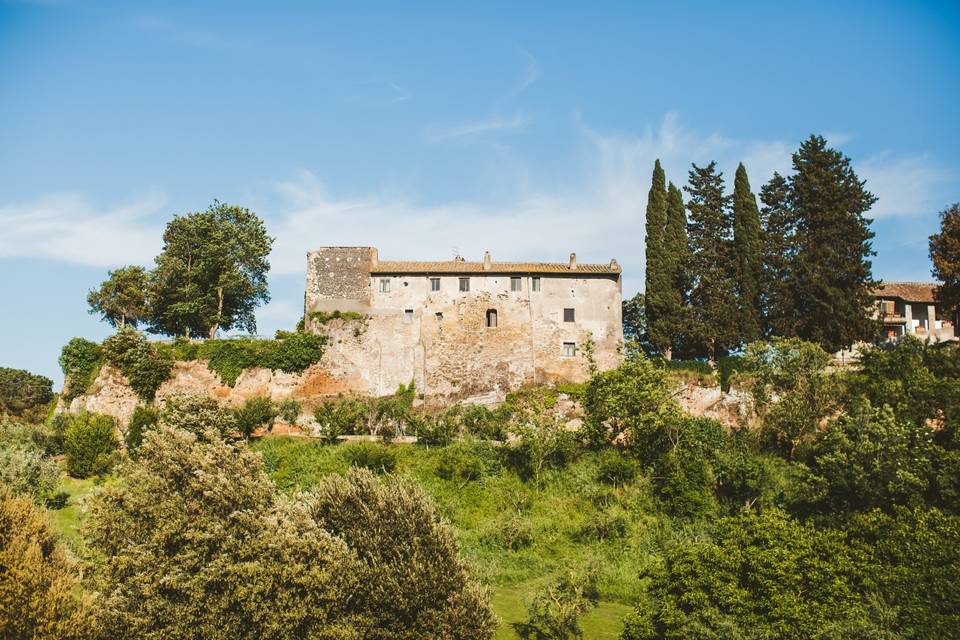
column 22, row 392
column 343, row 416
column 685, row 484
column 556, row 609
column 24, row 469
column 515, row 533
column 143, row 419
column 606, row 525
column 80, row 361
column 90, row 443
column 437, row 430
column 256, row 412
column 288, row 410
column 291, row 352
column 467, row 460
column 38, row 587
column 542, row 442
column 145, row 366
column 418, row 588
column 200, row 415
column 376, row 457
column 616, row 468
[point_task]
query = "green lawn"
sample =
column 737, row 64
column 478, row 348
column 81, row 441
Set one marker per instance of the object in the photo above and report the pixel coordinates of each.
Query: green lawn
column 510, row 603
column 67, row 520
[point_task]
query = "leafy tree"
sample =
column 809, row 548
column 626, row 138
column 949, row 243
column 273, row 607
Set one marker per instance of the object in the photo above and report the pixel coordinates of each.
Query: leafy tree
column 633, row 401
column 901, row 376
column 713, row 299
column 196, row 543
column 792, row 388
column 37, row 584
column 543, row 439
column 635, row 332
column 288, row 410
column 212, row 272
column 867, row 459
column 415, row 587
column 916, row 556
column 746, row 243
column 23, row 393
column 122, row 297
column 144, row 419
column 555, row 610
column 676, row 257
column 945, row 255
column 778, row 226
column 258, row 411
column 834, row 278
column 90, row 443
column 657, row 283
column 761, row 575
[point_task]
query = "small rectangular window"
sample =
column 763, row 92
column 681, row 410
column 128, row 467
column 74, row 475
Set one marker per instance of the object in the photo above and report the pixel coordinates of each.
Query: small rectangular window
column 407, row 316
column 464, row 284
column 514, row 284
column 384, row 285
column 491, row 318
column 569, row 315
column 434, row 284
column 569, row 349
column 439, row 315
column 535, row 283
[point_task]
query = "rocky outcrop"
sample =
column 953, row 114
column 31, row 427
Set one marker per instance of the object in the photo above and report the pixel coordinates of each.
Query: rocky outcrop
column 732, row 408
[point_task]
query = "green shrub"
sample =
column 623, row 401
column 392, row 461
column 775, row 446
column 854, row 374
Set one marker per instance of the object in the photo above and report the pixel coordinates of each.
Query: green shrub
column 323, row 317
column 377, row 457
column 256, row 412
column 727, row 368
column 606, row 525
column 698, row 368
column 90, row 443
column 343, row 416
column 80, row 362
column 145, row 366
column 479, row 421
column 435, row 429
column 289, row 410
column 616, row 468
column 685, row 484
column 202, row 416
column 515, row 533
column 556, row 609
column 467, row 460
column 143, row 419
column 24, row 468
column 22, row 392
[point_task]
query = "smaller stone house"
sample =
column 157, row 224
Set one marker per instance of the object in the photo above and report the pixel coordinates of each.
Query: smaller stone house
column 909, row 308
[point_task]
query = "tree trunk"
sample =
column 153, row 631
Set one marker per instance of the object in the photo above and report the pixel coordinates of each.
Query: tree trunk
column 216, row 326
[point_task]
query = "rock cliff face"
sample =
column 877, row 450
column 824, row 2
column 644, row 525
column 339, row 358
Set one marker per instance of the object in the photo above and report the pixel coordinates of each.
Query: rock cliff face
column 110, row 393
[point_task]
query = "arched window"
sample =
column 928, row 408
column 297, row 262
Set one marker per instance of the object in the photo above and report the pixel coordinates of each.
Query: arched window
column 491, row 318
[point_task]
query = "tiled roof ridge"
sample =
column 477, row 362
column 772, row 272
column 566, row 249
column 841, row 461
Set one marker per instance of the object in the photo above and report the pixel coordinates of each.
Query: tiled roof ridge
column 492, row 267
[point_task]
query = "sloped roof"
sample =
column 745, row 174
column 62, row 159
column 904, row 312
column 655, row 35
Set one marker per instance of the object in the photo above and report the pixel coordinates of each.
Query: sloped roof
column 909, row 291
column 461, row 266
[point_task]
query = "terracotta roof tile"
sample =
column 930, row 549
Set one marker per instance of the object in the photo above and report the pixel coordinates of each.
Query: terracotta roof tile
column 455, row 266
column 909, row 291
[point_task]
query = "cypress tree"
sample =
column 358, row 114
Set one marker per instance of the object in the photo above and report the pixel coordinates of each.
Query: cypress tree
column 713, row 301
column 834, row 276
column 676, row 249
column 746, row 242
column 656, row 283
column 778, row 250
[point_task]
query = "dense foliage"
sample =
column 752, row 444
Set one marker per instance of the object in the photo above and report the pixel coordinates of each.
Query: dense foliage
column 122, row 297
column 80, row 361
column 90, row 442
column 38, row 585
column 145, row 366
column 945, row 256
column 25, row 468
column 211, row 274
column 23, row 393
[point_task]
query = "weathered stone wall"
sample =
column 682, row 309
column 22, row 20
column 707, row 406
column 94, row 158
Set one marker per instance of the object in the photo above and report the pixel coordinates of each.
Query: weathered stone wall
column 338, row 273
column 440, row 338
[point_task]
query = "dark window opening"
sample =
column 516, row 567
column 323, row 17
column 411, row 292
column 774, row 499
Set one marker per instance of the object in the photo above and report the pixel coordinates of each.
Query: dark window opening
column 514, row 284
column 434, row 284
column 569, row 315
column 464, row 284
column 491, row 318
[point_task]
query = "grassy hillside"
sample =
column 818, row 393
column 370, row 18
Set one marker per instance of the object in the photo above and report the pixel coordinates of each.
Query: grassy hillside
column 515, row 534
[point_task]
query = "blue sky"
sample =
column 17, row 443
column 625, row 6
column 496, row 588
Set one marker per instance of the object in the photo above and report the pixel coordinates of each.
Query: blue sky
column 528, row 129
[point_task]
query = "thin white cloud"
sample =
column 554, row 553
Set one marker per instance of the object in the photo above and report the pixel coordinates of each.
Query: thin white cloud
column 904, row 186
column 67, row 227
column 467, row 129
column 379, row 92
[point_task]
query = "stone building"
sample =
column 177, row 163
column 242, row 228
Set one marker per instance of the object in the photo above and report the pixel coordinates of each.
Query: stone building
column 909, row 308
column 461, row 330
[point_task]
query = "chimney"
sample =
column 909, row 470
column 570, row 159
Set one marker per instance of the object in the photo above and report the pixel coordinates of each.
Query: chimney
column 487, row 261
column 573, row 261
column 614, row 264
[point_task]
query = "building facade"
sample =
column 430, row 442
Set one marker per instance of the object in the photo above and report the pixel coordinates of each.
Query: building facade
column 461, row 330
column 909, row 308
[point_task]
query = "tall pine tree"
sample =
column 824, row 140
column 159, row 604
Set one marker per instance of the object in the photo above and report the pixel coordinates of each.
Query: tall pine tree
column 656, row 285
column 713, row 300
column 746, row 243
column 778, row 226
column 676, row 252
column 834, row 277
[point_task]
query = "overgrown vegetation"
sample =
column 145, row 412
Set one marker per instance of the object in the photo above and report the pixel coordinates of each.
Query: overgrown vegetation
column 80, row 362
column 24, row 395
column 145, row 366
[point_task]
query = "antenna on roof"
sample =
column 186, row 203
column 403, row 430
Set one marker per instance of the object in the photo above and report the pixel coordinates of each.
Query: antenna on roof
column 455, row 251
